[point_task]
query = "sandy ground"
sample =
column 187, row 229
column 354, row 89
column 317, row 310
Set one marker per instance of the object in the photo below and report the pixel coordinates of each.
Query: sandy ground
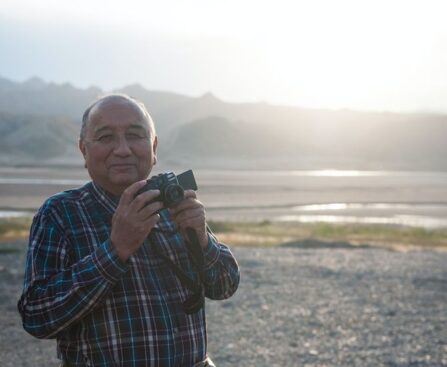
column 296, row 307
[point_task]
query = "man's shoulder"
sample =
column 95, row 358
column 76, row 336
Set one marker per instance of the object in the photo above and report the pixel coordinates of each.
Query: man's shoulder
column 66, row 198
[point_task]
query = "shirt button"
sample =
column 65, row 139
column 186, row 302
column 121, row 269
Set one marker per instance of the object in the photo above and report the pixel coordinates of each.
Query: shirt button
column 175, row 330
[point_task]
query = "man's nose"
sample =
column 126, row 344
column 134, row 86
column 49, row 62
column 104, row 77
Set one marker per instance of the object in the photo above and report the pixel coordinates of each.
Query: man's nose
column 122, row 147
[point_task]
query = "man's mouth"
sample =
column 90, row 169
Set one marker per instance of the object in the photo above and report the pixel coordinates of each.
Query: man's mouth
column 122, row 165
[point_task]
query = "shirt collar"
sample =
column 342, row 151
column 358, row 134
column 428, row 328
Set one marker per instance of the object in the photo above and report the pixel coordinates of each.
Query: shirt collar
column 105, row 198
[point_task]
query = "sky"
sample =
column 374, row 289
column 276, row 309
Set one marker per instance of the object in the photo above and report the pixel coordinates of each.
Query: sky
column 357, row 54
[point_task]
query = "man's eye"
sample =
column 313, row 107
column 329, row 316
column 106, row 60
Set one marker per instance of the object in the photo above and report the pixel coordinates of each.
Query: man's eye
column 105, row 138
column 133, row 136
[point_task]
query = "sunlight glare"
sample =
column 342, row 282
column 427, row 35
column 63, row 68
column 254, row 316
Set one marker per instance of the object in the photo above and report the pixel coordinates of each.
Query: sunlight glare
column 321, row 53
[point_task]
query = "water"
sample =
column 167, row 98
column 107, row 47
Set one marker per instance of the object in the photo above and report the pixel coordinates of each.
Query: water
column 417, row 199
column 15, row 213
column 402, row 220
column 333, row 196
column 372, row 213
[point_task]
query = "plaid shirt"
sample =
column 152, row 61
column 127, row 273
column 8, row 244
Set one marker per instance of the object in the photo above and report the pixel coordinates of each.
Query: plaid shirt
column 105, row 312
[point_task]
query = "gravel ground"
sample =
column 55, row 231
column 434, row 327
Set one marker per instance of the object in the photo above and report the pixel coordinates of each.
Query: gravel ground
column 297, row 307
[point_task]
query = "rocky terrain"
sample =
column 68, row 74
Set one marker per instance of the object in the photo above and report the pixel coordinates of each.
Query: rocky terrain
column 296, row 307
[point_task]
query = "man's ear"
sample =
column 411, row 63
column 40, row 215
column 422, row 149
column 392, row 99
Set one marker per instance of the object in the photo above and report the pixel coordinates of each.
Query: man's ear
column 83, row 150
column 154, row 150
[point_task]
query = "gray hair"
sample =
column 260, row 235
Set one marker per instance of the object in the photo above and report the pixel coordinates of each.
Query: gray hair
column 86, row 115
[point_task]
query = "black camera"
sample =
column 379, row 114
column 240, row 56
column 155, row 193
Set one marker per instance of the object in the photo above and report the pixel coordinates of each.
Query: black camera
column 171, row 187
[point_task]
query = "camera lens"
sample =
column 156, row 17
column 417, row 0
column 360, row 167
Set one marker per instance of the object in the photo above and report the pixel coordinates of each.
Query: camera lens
column 173, row 194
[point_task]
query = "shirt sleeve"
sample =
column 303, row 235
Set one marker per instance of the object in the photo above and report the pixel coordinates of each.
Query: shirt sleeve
column 56, row 292
column 221, row 273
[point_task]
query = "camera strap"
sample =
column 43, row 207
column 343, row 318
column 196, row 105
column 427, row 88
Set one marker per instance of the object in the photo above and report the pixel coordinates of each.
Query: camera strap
column 195, row 254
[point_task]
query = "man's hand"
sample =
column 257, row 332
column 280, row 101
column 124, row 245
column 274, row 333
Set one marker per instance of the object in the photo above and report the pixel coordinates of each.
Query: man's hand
column 134, row 218
column 190, row 213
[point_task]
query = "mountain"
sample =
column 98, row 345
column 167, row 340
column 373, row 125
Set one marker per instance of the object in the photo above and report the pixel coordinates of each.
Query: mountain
column 34, row 96
column 39, row 122
column 36, row 138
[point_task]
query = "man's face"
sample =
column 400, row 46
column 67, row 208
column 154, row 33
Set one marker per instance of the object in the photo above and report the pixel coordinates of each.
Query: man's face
column 118, row 147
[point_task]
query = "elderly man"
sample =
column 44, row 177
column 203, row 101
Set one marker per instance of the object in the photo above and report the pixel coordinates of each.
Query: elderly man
column 107, row 263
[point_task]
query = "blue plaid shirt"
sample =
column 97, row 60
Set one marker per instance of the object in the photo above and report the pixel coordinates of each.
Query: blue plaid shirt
column 105, row 312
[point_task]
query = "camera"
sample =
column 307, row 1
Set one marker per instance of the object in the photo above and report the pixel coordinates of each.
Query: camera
column 172, row 188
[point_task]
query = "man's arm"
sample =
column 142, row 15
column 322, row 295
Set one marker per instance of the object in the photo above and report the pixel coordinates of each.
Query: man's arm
column 59, row 291
column 56, row 293
column 221, row 270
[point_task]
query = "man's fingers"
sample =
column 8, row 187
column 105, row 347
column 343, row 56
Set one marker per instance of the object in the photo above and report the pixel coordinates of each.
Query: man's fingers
column 189, row 203
column 185, row 215
column 143, row 199
column 150, row 209
column 190, row 194
column 195, row 221
column 152, row 220
column 128, row 195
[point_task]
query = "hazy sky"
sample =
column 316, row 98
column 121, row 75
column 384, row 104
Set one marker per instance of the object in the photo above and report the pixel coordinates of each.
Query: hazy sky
column 376, row 55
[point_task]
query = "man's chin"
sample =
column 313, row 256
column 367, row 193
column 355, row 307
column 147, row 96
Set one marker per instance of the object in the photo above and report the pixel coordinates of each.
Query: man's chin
column 125, row 181
column 122, row 180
